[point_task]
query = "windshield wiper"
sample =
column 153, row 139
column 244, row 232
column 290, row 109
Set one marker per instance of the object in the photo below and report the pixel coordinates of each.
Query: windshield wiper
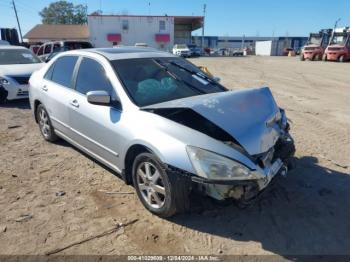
column 166, row 69
column 176, row 77
column 199, row 74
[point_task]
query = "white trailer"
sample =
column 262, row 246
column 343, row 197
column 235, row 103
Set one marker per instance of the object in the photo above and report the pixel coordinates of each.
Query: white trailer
column 267, row 48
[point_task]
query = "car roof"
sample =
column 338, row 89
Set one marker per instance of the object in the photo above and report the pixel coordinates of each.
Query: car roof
column 118, row 53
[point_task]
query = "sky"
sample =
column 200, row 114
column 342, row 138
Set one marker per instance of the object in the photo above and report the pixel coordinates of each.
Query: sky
column 223, row 17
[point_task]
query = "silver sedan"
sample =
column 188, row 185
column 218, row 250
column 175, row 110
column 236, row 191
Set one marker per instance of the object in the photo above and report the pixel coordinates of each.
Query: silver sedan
column 163, row 125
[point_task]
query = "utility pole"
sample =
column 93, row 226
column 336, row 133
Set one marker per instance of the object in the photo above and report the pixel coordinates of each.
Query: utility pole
column 19, row 27
column 243, row 40
column 204, row 9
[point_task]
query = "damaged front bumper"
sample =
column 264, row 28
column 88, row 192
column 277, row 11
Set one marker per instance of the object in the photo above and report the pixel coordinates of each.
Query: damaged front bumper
column 279, row 162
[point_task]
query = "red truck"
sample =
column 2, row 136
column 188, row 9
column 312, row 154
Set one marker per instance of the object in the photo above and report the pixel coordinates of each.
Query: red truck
column 339, row 47
column 316, row 45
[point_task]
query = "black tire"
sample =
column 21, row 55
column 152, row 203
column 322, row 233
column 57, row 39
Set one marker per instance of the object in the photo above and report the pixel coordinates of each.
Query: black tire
column 324, row 58
column 318, row 57
column 3, row 95
column 49, row 134
column 176, row 190
column 341, row 59
column 302, row 57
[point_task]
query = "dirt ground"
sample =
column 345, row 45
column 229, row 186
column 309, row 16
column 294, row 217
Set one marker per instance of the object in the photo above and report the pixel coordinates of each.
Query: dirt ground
column 305, row 213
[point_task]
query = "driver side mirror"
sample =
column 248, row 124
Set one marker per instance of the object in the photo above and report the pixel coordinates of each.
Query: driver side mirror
column 99, row 98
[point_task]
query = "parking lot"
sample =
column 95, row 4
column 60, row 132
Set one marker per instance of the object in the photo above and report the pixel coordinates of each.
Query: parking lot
column 52, row 195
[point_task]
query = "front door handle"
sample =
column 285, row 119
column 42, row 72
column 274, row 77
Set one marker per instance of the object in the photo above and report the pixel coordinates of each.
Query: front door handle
column 44, row 88
column 75, row 103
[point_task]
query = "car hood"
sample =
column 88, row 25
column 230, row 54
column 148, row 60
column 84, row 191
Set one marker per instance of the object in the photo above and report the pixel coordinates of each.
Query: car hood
column 20, row 69
column 250, row 116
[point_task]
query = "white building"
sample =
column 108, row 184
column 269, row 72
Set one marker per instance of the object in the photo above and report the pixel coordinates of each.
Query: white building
column 160, row 32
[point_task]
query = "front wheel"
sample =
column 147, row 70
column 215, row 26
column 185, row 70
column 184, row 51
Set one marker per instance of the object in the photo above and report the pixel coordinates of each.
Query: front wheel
column 160, row 193
column 302, row 57
column 45, row 125
column 318, row 57
column 324, row 58
column 3, row 95
column 342, row 59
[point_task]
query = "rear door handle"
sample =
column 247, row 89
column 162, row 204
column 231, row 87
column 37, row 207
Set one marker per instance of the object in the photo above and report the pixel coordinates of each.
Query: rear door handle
column 75, row 103
column 44, row 88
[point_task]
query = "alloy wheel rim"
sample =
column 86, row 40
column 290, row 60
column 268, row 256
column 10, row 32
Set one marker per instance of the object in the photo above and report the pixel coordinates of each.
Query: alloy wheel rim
column 44, row 123
column 150, row 184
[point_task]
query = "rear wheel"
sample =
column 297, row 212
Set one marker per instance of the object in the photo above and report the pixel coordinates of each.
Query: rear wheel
column 45, row 125
column 158, row 191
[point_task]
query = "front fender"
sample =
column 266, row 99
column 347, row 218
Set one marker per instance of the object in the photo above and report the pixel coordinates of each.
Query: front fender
column 169, row 150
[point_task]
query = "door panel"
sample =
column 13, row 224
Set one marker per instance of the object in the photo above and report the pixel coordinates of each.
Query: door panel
column 95, row 127
column 57, row 92
column 57, row 101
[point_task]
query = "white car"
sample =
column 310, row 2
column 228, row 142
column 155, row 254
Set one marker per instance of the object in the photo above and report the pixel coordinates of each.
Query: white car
column 162, row 124
column 181, row 50
column 16, row 66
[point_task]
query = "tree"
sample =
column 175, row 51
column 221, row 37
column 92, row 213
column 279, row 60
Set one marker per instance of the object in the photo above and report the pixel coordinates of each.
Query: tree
column 63, row 12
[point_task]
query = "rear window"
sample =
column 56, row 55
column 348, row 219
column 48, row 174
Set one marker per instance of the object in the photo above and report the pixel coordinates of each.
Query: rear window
column 63, row 70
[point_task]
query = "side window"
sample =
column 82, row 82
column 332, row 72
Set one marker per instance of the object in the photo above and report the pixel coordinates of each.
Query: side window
column 63, row 70
column 92, row 77
column 41, row 50
column 48, row 74
column 47, row 49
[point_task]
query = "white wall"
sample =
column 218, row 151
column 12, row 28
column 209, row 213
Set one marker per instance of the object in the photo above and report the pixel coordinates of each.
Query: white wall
column 141, row 30
column 263, row 48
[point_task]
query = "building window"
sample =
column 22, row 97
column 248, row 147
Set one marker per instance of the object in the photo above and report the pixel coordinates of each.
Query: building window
column 161, row 25
column 125, row 25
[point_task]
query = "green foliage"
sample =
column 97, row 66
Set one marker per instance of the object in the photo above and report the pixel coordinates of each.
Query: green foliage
column 63, row 12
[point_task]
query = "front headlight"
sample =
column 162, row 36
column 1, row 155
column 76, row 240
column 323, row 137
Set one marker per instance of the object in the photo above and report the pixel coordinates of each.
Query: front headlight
column 213, row 166
column 4, row 81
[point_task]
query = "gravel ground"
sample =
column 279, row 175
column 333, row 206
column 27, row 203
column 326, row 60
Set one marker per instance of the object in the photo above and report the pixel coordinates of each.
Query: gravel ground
column 52, row 195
